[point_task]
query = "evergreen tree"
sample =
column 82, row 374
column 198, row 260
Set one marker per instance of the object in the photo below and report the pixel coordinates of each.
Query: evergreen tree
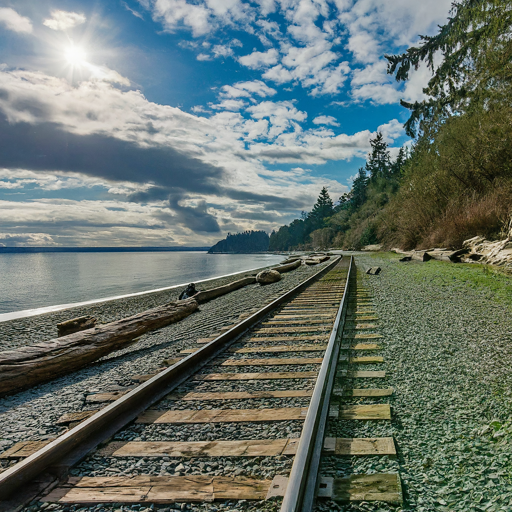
column 398, row 165
column 359, row 186
column 378, row 164
column 323, row 208
column 476, row 69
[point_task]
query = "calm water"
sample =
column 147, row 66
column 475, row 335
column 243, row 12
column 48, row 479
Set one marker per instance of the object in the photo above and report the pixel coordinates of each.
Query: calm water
column 30, row 281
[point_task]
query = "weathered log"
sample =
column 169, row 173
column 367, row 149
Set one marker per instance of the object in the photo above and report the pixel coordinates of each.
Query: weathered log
column 207, row 295
column 291, row 259
column 312, row 261
column 287, row 268
column 27, row 366
column 447, row 255
column 415, row 255
column 75, row 325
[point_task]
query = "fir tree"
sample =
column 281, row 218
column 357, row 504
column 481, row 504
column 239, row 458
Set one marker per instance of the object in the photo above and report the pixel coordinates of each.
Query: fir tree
column 476, row 69
column 378, row 164
column 358, row 192
column 323, row 208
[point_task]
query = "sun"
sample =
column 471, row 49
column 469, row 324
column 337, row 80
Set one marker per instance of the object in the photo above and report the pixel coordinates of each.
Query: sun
column 75, row 55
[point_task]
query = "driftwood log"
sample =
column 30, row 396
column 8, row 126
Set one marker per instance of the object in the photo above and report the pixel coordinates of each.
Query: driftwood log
column 415, row 255
column 75, row 325
column 289, row 267
column 222, row 290
column 27, row 366
column 447, row 255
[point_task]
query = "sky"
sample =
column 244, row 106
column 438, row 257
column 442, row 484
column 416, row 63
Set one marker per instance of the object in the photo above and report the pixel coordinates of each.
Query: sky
column 174, row 122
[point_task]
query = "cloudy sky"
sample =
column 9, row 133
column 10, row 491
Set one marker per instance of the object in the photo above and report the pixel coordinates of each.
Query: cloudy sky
column 173, row 122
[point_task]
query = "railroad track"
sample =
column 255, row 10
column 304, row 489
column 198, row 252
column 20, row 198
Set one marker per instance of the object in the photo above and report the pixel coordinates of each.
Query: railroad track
column 242, row 416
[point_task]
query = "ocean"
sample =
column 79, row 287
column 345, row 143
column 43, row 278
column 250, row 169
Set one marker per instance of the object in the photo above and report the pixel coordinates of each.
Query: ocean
column 29, row 281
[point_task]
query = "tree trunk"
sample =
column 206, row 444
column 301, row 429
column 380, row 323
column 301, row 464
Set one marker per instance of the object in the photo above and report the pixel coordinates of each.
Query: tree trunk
column 287, row 268
column 222, row 290
column 27, row 366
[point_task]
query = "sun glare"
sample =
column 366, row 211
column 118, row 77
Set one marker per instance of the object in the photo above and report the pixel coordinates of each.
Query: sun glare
column 75, row 55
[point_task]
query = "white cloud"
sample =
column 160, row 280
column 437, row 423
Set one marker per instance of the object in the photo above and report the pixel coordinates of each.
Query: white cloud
column 64, row 20
column 20, row 178
column 313, row 66
column 327, row 120
column 133, row 11
column 247, row 89
column 203, row 56
column 392, row 130
column 15, row 22
column 221, row 50
column 281, row 115
column 256, row 60
column 26, row 239
column 229, row 104
column 201, row 18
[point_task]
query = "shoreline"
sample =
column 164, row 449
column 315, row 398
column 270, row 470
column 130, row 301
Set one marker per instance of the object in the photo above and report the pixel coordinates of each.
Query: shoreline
column 15, row 315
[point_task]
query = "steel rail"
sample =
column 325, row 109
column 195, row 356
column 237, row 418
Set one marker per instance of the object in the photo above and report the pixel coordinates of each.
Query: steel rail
column 42, row 469
column 302, row 484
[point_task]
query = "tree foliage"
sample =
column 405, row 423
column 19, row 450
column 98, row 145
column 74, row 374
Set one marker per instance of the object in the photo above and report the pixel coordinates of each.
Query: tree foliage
column 297, row 233
column 475, row 50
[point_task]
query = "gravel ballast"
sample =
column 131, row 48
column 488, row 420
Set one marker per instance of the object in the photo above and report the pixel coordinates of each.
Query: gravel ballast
column 447, row 345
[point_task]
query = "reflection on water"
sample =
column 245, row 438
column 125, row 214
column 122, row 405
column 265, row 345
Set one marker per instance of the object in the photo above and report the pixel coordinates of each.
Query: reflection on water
column 44, row 279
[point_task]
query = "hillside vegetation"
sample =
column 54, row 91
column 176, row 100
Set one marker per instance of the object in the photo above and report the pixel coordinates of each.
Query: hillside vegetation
column 455, row 181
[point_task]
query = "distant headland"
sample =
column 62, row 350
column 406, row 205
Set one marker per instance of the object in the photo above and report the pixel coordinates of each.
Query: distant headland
column 246, row 242
column 97, row 249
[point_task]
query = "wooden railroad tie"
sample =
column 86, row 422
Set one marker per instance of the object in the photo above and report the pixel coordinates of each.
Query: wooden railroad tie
column 363, row 392
column 297, row 317
column 357, row 326
column 377, row 487
column 359, row 446
column 23, row 449
column 246, row 448
column 277, row 330
column 361, row 412
column 361, row 374
column 361, row 336
column 279, row 348
column 256, row 376
column 296, row 321
column 315, row 338
column 273, row 361
column 158, row 489
column 222, row 415
column 205, row 488
column 361, row 346
column 365, row 360
column 240, row 395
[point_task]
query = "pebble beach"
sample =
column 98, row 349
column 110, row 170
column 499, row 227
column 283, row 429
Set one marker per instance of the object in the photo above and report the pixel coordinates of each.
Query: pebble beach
column 448, row 351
